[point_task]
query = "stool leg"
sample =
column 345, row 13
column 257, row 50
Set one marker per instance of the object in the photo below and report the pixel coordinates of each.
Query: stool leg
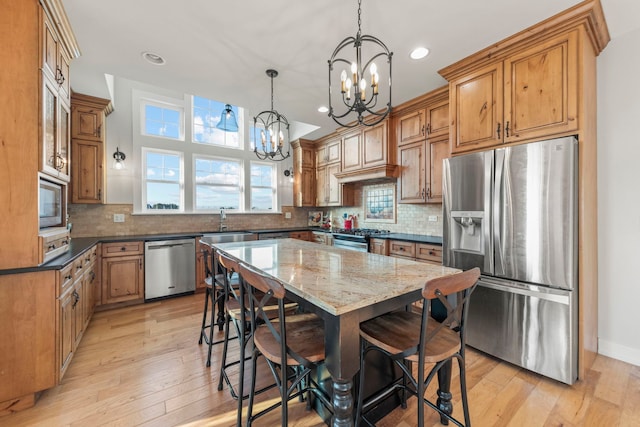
column 204, row 315
column 224, row 350
column 213, row 313
column 444, row 391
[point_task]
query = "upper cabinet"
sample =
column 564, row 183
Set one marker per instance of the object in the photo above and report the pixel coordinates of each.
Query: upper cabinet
column 421, row 132
column 367, row 153
column 88, row 115
column 526, row 87
column 304, row 173
column 529, row 94
column 329, row 191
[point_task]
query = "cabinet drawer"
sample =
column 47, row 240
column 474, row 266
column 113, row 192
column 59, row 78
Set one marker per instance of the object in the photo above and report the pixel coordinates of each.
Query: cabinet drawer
column 403, row 249
column 425, row 252
column 122, row 248
column 65, row 278
column 78, row 266
column 300, row 235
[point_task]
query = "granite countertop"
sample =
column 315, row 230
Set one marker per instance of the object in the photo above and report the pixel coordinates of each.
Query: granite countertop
column 337, row 280
column 418, row 238
column 81, row 244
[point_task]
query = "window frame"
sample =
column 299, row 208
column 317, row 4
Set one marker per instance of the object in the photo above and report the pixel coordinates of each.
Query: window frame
column 241, row 186
column 144, row 181
column 273, row 187
column 164, row 105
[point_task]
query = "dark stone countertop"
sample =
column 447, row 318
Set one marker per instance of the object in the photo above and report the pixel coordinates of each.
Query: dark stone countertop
column 417, row 238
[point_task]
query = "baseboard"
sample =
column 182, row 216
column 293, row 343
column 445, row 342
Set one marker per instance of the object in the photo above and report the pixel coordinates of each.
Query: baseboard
column 620, row 352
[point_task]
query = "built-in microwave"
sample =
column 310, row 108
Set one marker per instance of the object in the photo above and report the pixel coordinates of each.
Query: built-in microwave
column 51, row 203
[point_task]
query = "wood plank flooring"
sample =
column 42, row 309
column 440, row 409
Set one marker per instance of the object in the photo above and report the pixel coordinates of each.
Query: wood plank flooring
column 142, row 366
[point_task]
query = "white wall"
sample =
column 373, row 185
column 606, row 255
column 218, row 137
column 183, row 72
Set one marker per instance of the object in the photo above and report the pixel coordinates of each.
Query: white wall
column 619, row 198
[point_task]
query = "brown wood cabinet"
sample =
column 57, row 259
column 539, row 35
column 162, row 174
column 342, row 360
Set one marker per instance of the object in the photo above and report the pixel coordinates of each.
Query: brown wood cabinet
column 122, row 272
column 322, row 238
column 423, row 252
column 379, row 246
column 529, row 94
column 330, row 192
column 200, row 260
column 300, row 235
column 421, row 131
column 88, row 115
column 304, row 173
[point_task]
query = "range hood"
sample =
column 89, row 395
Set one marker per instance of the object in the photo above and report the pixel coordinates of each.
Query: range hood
column 383, row 172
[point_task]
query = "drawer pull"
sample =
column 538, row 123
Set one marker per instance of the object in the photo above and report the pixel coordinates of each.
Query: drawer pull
column 123, row 248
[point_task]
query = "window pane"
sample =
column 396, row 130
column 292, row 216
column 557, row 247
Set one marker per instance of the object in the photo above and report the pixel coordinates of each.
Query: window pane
column 162, row 121
column 261, row 199
column 163, row 167
column 261, row 175
column 206, row 116
column 163, row 195
column 217, row 172
column 215, row 198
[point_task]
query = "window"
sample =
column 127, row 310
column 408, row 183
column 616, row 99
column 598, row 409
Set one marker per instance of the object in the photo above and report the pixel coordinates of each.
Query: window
column 263, row 189
column 162, row 120
column 217, row 183
column 206, row 115
column 163, row 180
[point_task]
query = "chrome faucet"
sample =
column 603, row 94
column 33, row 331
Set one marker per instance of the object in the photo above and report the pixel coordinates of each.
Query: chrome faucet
column 223, row 217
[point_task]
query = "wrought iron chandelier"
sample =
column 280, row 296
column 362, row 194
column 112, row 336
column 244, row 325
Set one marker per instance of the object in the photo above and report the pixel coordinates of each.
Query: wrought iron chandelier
column 273, row 131
column 356, row 98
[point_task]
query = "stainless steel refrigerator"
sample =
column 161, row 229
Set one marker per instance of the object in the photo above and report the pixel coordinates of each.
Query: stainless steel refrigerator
column 512, row 212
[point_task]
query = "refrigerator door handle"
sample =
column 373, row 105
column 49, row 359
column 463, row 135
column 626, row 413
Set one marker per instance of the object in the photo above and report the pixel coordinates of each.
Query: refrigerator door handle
column 487, row 226
column 497, row 212
column 558, row 296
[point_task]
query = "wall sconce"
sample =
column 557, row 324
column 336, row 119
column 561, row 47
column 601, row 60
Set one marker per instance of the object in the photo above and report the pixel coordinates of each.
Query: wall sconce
column 289, row 173
column 118, row 159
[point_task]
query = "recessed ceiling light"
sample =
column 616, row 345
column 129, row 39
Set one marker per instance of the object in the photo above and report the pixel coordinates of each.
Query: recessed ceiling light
column 323, row 109
column 419, row 53
column 153, row 58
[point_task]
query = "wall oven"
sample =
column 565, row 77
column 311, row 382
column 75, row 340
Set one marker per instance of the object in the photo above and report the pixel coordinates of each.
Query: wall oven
column 51, row 203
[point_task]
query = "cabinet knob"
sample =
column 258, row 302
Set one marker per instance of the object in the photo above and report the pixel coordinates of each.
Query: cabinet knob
column 506, row 130
column 123, row 248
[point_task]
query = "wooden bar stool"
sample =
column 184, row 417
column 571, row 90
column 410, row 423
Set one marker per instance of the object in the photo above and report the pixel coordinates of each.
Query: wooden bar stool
column 292, row 344
column 408, row 337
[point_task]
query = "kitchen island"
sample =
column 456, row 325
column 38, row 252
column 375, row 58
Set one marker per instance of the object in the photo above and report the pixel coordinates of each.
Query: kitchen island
column 344, row 288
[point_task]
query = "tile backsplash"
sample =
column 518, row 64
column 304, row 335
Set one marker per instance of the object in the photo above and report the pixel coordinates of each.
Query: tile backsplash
column 97, row 220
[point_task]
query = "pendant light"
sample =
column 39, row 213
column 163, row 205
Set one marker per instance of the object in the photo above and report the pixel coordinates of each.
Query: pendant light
column 271, row 131
column 228, row 122
column 359, row 96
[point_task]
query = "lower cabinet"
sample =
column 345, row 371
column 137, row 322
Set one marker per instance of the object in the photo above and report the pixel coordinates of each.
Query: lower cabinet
column 76, row 303
column 200, row 276
column 300, row 235
column 423, row 252
column 122, row 272
column 379, row 246
column 322, row 238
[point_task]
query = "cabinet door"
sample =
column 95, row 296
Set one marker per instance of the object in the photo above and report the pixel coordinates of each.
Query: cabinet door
column 410, row 127
column 334, row 193
column 67, row 302
column 437, row 116
column 122, row 279
column 321, row 156
column 439, row 150
column 78, row 312
column 321, row 186
column 541, row 89
column 49, row 39
column 88, row 286
column 334, row 152
column 63, row 147
column 411, row 184
column 374, row 150
column 476, row 105
column 352, row 152
column 304, row 187
column 87, row 123
column 86, row 171
column 49, row 128
column 63, row 74
column 378, row 246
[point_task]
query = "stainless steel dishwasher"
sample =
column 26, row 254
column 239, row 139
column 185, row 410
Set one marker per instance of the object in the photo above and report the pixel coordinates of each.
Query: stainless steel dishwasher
column 169, row 268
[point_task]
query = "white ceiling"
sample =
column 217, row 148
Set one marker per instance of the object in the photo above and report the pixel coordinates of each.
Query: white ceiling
column 221, row 49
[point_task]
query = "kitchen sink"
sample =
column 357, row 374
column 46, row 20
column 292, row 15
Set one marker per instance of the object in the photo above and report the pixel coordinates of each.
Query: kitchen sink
column 227, row 237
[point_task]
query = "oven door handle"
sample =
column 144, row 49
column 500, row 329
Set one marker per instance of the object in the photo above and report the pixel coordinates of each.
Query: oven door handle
column 349, row 244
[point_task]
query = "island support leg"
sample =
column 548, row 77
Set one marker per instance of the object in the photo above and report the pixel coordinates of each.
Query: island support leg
column 342, row 403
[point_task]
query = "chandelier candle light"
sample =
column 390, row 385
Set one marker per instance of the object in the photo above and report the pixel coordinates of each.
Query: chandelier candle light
column 356, row 98
column 274, row 131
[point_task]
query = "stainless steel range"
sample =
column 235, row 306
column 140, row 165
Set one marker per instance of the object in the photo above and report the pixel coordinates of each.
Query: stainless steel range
column 355, row 239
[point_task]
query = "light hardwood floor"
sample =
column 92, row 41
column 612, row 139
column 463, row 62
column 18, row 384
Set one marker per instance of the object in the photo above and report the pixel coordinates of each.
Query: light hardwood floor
column 142, row 366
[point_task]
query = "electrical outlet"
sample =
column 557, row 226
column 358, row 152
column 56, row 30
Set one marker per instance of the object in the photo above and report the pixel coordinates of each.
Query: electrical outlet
column 433, row 218
column 118, row 217
column 287, row 215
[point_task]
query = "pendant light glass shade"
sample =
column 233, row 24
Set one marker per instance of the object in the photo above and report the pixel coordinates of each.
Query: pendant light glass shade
column 228, row 122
